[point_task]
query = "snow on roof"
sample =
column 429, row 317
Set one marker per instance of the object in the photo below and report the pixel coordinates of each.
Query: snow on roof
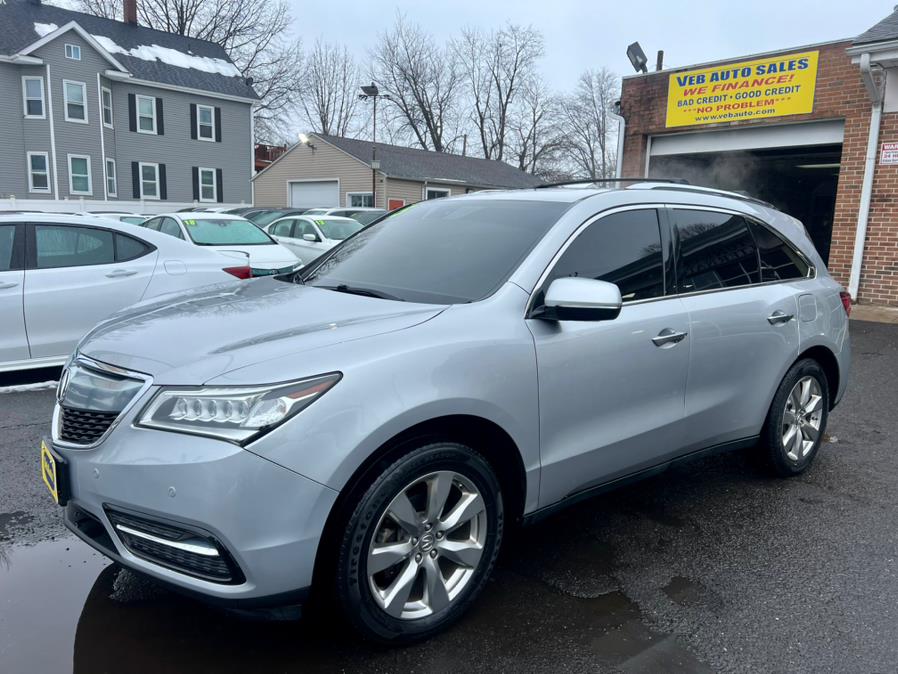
column 172, row 57
column 45, row 28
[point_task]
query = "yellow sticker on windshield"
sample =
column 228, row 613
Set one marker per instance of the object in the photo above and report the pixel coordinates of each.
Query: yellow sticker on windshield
column 190, row 223
column 319, row 222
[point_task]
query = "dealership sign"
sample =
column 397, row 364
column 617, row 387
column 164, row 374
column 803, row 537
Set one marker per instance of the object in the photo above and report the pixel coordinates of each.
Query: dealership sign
column 772, row 87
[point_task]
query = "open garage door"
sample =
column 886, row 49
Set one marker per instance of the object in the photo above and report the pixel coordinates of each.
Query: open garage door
column 794, row 167
column 315, row 194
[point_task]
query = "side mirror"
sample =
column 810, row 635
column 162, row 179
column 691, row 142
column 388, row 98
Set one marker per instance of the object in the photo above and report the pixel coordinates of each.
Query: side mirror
column 309, row 237
column 581, row 299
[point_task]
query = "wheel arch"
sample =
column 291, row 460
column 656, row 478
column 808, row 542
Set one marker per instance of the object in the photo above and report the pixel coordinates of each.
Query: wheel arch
column 830, row 364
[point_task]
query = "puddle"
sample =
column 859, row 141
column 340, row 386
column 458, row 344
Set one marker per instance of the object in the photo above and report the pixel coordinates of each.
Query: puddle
column 42, row 593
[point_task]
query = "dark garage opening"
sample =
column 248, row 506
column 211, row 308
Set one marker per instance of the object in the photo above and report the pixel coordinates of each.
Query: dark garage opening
column 800, row 181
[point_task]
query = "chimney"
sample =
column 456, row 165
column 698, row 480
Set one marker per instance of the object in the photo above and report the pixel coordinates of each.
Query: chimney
column 131, row 12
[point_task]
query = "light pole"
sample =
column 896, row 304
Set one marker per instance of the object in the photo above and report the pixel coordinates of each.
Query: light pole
column 371, row 91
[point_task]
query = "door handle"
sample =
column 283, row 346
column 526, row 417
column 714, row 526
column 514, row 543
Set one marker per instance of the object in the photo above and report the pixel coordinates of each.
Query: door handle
column 669, row 337
column 4, row 286
column 121, row 273
column 779, row 317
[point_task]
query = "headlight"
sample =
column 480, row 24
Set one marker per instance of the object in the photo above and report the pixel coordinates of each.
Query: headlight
column 238, row 414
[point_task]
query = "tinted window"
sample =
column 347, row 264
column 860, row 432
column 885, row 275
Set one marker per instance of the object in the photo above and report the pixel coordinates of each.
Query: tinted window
column 64, row 246
column 779, row 261
column 263, row 218
column 170, row 227
column 225, row 231
column 304, row 227
column 129, row 248
column 7, row 239
column 440, row 251
column 282, row 228
column 716, row 250
column 153, row 224
column 624, row 249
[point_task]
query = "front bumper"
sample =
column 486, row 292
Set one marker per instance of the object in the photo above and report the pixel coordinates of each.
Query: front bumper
column 267, row 519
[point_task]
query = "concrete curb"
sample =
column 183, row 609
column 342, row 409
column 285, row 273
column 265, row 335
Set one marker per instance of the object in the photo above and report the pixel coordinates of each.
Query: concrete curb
column 876, row 314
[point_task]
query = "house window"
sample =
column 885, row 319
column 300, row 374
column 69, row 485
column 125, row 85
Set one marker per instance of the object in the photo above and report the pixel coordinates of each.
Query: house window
column 436, row 193
column 33, row 96
column 149, row 181
column 111, row 179
column 73, row 51
column 208, row 187
column 359, row 200
column 146, row 114
column 38, row 172
column 106, row 99
column 205, row 122
column 79, row 174
column 75, row 94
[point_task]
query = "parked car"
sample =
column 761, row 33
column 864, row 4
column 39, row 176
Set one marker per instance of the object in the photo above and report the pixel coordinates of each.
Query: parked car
column 364, row 215
column 130, row 218
column 373, row 421
column 62, row 274
column 265, row 216
column 310, row 236
column 225, row 232
column 242, row 210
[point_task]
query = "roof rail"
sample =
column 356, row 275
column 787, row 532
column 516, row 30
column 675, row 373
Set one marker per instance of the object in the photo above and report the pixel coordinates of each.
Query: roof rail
column 588, row 181
column 698, row 189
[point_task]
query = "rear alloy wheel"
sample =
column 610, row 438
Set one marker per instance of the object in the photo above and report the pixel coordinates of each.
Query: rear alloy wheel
column 420, row 544
column 797, row 419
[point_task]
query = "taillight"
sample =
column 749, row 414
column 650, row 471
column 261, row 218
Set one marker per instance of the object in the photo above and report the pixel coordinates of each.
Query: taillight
column 846, row 301
column 243, row 272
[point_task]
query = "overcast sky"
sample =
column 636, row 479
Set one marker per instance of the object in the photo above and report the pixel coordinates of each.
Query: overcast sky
column 583, row 34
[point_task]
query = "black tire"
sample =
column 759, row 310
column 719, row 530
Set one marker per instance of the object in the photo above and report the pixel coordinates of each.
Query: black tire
column 353, row 593
column 773, row 452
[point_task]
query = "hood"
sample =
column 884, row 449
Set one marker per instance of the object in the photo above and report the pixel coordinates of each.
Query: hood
column 273, row 256
column 193, row 337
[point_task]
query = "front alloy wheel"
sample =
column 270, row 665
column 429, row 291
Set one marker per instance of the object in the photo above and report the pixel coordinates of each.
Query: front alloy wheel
column 420, row 543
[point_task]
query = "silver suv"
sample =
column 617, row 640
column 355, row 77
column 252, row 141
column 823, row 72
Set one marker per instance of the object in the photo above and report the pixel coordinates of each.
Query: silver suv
column 366, row 427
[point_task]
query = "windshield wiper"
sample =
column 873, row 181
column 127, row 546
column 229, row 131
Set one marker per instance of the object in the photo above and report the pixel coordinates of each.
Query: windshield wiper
column 366, row 292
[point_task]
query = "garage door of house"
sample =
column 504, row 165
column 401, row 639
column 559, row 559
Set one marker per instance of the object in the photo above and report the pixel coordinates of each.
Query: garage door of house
column 315, row 193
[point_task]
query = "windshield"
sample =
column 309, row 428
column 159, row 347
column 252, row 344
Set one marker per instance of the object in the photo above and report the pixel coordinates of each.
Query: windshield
column 225, row 231
column 338, row 229
column 265, row 217
column 367, row 217
column 439, row 251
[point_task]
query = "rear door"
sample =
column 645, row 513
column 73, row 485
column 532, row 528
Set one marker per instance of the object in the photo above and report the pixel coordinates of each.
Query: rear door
column 743, row 329
column 76, row 276
column 13, row 341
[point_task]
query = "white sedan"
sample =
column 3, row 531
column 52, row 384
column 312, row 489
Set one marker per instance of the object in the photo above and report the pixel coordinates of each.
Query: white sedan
column 225, row 232
column 365, row 215
column 308, row 236
column 62, row 274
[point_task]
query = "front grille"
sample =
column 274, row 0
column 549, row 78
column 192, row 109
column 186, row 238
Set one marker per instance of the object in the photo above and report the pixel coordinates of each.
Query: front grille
column 83, row 427
column 192, row 552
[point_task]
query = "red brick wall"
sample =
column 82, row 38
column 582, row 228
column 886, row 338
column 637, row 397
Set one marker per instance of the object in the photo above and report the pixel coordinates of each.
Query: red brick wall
column 840, row 94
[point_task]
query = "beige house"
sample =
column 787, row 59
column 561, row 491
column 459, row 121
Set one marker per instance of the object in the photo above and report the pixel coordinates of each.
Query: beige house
column 335, row 171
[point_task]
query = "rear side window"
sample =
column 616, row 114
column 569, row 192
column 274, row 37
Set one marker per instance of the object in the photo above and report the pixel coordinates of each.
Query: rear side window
column 779, row 261
column 716, row 250
column 65, row 246
column 153, row 224
column 129, row 248
column 8, row 257
column 622, row 248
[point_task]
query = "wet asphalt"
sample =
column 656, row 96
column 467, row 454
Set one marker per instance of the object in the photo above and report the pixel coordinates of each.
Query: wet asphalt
column 710, row 567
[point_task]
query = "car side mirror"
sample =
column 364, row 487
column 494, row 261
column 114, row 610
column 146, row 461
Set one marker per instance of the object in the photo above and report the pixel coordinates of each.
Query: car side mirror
column 580, row 299
column 310, row 237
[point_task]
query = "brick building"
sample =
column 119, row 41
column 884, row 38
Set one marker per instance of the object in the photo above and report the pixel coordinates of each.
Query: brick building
column 813, row 130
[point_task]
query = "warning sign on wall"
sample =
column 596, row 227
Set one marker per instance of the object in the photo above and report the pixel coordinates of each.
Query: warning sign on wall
column 770, row 87
column 889, row 154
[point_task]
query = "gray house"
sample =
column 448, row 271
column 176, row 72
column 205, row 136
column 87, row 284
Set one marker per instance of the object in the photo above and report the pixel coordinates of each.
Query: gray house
column 117, row 115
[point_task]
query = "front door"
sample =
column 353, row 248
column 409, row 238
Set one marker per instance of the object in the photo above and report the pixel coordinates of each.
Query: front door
column 611, row 393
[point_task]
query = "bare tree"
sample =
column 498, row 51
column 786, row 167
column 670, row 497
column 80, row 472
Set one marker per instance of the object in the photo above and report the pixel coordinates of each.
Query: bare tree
column 422, row 82
column 589, row 128
column 250, row 31
column 497, row 67
column 537, row 141
column 329, row 95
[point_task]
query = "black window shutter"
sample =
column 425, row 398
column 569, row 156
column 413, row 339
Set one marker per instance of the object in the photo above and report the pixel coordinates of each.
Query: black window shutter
column 160, row 119
column 193, row 124
column 196, row 183
column 217, row 125
column 135, row 179
column 218, row 183
column 132, row 112
column 163, row 187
